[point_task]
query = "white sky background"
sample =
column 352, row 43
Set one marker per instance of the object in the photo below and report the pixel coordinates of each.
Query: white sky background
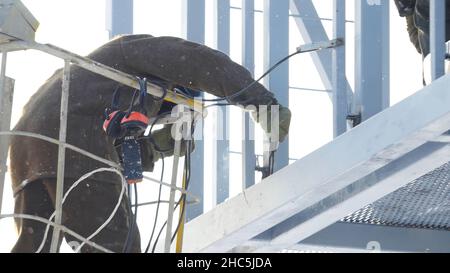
column 79, row 26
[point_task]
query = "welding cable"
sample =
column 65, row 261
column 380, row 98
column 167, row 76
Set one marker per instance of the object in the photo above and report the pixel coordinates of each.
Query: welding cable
column 157, row 207
column 53, row 224
column 74, row 185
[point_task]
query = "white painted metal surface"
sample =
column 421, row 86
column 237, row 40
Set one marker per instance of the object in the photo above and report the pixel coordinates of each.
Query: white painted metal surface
column 335, row 167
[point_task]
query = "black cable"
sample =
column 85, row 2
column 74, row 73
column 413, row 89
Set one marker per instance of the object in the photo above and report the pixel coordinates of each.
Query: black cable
column 131, row 238
column 157, row 207
column 183, row 196
column 258, row 80
column 163, row 226
column 187, row 175
column 130, row 224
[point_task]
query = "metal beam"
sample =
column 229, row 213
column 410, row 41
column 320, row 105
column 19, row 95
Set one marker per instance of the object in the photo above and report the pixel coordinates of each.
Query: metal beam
column 6, row 100
column 344, row 237
column 372, row 57
column 248, row 60
column 119, row 17
column 337, row 166
column 361, row 193
column 61, row 155
column 312, row 30
column 340, row 106
column 193, row 20
column 276, row 47
column 437, row 38
column 221, row 149
column 193, row 29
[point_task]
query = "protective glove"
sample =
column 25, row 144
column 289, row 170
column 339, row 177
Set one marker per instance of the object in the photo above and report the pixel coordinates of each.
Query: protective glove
column 405, row 7
column 158, row 145
column 263, row 116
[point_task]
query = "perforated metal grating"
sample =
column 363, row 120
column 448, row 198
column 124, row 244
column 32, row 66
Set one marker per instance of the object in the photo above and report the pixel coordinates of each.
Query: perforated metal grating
column 424, row 203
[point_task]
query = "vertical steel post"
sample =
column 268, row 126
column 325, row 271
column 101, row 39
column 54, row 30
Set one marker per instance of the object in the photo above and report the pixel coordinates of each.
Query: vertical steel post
column 193, row 24
column 372, row 57
column 176, row 159
column 248, row 60
column 6, row 98
column 437, row 38
column 340, row 106
column 119, row 17
column 312, row 30
column 61, row 155
column 221, row 151
column 276, row 47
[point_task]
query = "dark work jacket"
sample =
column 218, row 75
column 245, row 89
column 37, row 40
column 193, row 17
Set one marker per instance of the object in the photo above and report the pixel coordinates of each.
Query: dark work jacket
column 174, row 60
column 421, row 17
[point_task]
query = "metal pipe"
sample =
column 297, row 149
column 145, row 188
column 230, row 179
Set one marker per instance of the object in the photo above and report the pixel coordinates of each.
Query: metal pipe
column 61, row 156
column 105, row 71
column 2, row 164
column 176, row 159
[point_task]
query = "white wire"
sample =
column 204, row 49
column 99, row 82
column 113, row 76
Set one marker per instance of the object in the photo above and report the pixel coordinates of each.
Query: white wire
column 63, row 228
column 183, row 191
column 115, row 168
column 74, row 185
column 112, row 213
column 57, row 142
column 88, row 154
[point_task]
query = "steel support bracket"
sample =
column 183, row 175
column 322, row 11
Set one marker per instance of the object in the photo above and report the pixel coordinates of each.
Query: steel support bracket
column 321, row 45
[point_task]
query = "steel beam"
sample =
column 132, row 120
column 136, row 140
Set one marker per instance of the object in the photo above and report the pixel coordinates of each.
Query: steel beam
column 437, row 38
column 340, row 106
column 193, row 20
column 61, row 155
column 344, row 237
column 221, row 149
column 338, row 166
column 276, row 47
column 170, row 212
column 104, row 70
column 193, row 29
column 312, row 31
column 361, row 193
column 372, row 57
column 6, row 100
column 248, row 60
column 119, row 17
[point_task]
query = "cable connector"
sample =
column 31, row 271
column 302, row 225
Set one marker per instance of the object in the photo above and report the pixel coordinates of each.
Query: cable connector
column 321, row 45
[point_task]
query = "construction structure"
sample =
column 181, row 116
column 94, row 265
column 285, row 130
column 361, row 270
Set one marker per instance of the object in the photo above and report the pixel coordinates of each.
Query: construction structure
column 381, row 185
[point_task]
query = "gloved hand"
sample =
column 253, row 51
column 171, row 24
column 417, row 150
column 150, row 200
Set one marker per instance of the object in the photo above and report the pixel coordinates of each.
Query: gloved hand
column 263, row 116
column 405, row 7
column 160, row 144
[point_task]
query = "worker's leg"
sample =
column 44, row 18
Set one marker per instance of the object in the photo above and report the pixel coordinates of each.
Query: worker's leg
column 33, row 200
column 89, row 206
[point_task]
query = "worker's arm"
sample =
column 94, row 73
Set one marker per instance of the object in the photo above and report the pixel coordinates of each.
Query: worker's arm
column 405, row 7
column 193, row 66
column 413, row 32
column 198, row 67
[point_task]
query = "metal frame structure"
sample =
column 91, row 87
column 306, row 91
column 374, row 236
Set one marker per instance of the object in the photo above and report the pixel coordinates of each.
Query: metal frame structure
column 6, row 99
column 356, row 169
column 193, row 29
column 248, row 60
column 273, row 217
column 299, row 207
column 221, row 149
column 95, row 67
